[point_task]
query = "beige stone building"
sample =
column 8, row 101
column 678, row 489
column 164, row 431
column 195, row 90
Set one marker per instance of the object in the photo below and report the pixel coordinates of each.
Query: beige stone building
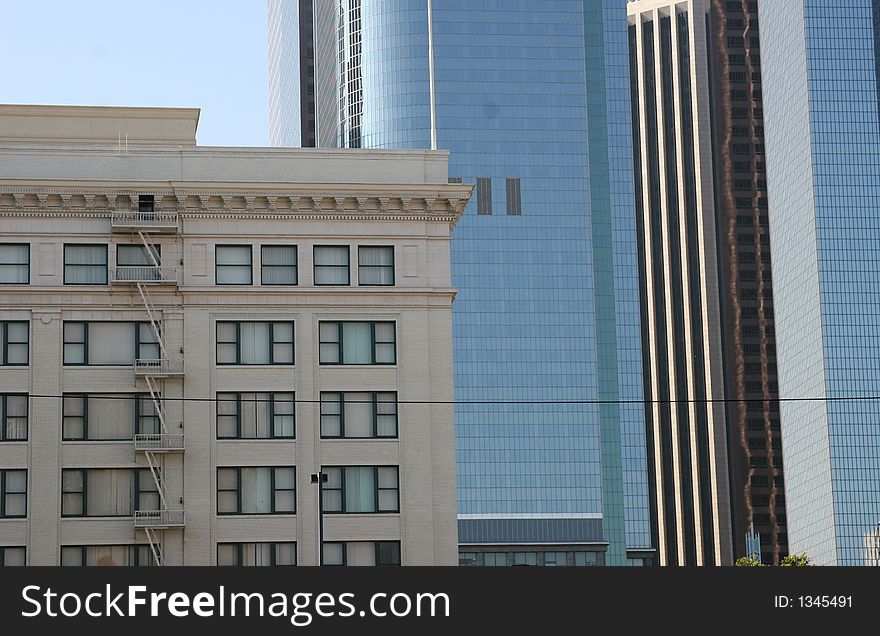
column 189, row 334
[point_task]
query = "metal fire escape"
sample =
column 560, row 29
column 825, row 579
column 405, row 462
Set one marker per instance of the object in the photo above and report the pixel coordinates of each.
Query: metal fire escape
column 154, row 371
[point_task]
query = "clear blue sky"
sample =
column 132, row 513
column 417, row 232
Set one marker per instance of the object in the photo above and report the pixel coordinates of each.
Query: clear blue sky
column 188, row 53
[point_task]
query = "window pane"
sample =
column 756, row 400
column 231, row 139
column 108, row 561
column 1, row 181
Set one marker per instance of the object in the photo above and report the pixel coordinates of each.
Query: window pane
column 285, row 554
column 256, row 490
column 283, row 425
column 110, row 492
column 331, row 265
column 227, row 415
column 16, row 417
column 330, row 420
column 360, row 489
column 17, row 343
column 356, row 343
column 376, row 265
column 227, row 554
column 111, row 417
column 254, row 343
column 386, row 419
column 71, row 556
column 111, row 343
column 358, row 415
column 360, row 553
column 233, row 264
column 279, row 265
column 333, row 554
column 388, row 553
column 136, row 256
column 14, row 263
column 85, row 264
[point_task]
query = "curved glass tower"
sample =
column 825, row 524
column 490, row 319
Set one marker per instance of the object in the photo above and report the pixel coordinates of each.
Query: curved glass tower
column 532, row 99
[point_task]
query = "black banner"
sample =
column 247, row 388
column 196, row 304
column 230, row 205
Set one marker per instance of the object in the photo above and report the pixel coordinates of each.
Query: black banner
column 434, row 600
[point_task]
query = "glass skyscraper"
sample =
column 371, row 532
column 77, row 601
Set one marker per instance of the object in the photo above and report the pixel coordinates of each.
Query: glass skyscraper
column 533, row 101
column 823, row 169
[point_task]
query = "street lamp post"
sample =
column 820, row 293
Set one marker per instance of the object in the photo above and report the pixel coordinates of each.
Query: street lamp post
column 320, row 479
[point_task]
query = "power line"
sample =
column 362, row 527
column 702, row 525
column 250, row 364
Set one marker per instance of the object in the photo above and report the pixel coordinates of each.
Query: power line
column 135, row 394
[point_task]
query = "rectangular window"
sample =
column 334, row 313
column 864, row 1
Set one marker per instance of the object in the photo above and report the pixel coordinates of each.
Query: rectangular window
column 360, row 553
column 357, row 343
column 146, row 203
column 495, row 559
column 331, row 265
column 109, row 343
column 13, row 417
column 278, row 265
column 15, row 263
column 15, row 349
column 514, row 197
column 258, row 490
column 484, row 195
column 13, row 494
column 105, row 417
column 13, row 556
column 255, row 416
column 358, row 415
column 256, row 554
column 361, row 489
column 107, row 555
column 255, row 342
column 107, row 492
column 138, row 255
column 233, row 265
column 85, row 264
column 375, row 265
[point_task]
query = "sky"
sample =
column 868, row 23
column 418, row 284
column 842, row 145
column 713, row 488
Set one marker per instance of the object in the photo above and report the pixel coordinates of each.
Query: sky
column 189, row 53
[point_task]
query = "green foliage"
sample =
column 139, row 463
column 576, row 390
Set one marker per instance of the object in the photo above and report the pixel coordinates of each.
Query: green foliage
column 749, row 562
column 797, row 560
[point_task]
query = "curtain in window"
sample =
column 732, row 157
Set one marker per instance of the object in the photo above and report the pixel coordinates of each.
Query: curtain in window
column 111, row 417
column 285, row 493
column 255, row 415
column 16, row 493
column 109, row 555
column 233, row 265
column 330, row 424
column 360, row 553
column 16, row 417
column 227, row 554
column 136, row 256
column 256, row 490
column 14, row 556
column 360, row 489
column 285, row 554
column 256, row 554
column 282, row 343
column 376, row 265
column 226, row 343
column 148, row 345
column 110, row 492
column 284, row 419
column 17, row 342
column 227, row 490
column 254, row 343
column 358, row 415
column 357, row 344
column 14, row 263
column 279, row 265
column 387, row 488
column 72, row 492
column 331, row 265
column 386, row 418
column 333, row 553
column 385, row 337
column 111, row 343
column 85, row 264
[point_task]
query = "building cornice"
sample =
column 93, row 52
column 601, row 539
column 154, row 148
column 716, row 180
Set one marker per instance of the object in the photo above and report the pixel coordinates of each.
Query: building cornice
column 214, row 200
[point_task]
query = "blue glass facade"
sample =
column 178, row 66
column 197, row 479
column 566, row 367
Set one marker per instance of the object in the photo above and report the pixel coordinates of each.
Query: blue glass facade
column 820, row 69
column 532, row 99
